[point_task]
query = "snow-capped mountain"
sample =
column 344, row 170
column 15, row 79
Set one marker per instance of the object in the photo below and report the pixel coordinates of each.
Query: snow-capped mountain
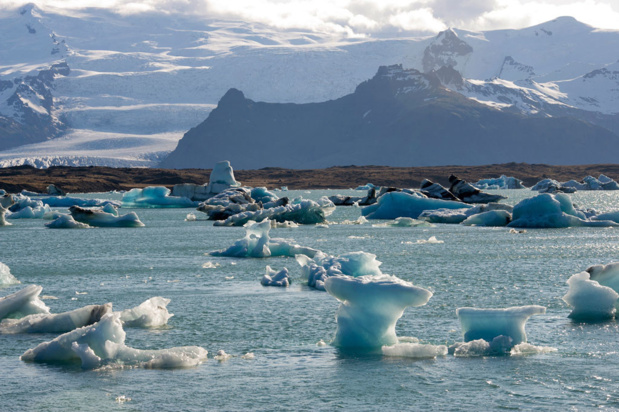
column 124, row 89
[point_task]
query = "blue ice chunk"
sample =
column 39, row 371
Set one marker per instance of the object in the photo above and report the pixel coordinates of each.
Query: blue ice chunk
column 490, row 218
column 274, row 278
column 322, row 266
column 370, row 307
column 67, row 201
column 261, row 194
column 400, row 204
column 503, row 182
column 155, row 197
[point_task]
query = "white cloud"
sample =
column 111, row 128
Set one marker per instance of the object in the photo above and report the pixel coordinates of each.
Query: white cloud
column 368, row 17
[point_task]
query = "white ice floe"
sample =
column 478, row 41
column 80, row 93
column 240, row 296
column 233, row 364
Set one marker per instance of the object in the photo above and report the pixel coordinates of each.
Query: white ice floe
column 103, row 345
column 589, row 299
column 22, row 303
column 414, row 350
column 66, row 222
column 6, row 278
column 151, row 313
column 370, row 307
column 56, row 323
column 99, row 218
column 502, row 182
column 274, row 278
column 258, row 244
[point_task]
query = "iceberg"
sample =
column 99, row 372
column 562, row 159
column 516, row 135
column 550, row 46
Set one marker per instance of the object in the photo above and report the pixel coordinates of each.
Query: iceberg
column 436, row 191
column 401, row 204
column 491, row 218
column 551, row 211
column 258, row 244
column 67, row 201
column 155, row 197
column 220, row 180
column 501, row 345
column 502, row 182
column 56, row 323
column 103, row 345
column 470, row 194
column 29, row 212
column 322, row 266
column 151, row 313
column 591, row 183
column 6, row 278
column 237, row 200
column 99, row 218
column 66, row 222
column 488, row 324
column 414, row 350
column 343, row 200
column 606, row 275
column 6, row 201
column 273, row 278
column 455, row 216
column 301, row 211
column 23, row 303
column 370, row 307
column 404, row 222
column 552, row 186
column 589, row 299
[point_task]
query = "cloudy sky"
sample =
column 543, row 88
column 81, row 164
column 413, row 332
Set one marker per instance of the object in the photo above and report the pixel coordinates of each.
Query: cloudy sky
column 370, row 17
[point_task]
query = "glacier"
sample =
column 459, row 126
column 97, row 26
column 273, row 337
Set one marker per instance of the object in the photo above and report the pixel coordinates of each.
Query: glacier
column 370, row 308
column 258, row 244
column 590, row 301
column 103, row 345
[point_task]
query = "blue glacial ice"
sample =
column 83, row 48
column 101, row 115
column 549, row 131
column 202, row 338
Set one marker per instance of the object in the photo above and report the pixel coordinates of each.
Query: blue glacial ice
column 68, row 201
column 155, row 197
column 370, row 308
column 220, row 180
column 23, row 303
column 552, row 186
column 322, row 266
column 103, row 345
column 66, row 222
column 404, row 222
column 258, row 244
column 455, row 216
column 490, row 218
column 56, row 323
column 28, row 212
column 6, row 278
column 301, row 211
column 152, row 313
column 505, row 325
column 590, row 301
column 591, row 183
column 551, row 211
column 99, row 218
column 470, row 194
column 401, row 204
column 503, row 182
column 275, row 278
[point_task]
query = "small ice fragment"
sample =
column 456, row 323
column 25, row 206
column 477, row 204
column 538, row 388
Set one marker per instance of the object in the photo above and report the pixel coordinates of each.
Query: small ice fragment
column 321, row 343
column 122, row 399
column 248, row 356
column 222, row 356
column 210, row 265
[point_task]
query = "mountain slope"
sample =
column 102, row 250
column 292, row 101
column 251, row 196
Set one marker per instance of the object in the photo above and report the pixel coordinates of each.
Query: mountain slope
column 399, row 117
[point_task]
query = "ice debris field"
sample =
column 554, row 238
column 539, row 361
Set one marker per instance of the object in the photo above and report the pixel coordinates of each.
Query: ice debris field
column 323, row 262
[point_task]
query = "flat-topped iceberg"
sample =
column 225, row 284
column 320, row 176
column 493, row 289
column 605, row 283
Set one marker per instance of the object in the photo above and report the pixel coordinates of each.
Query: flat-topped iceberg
column 322, row 266
column 56, row 323
column 488, row 324
column 103, row 344
column 258, row 244
column 99, row 218
column 502, row 182
column 155, row 197
column 6, row 278
column 151, row 313
column 370, row 307
column 551, row 211
column 23, row 303
column 589, row 299
column 274, row 278
column 402, row 204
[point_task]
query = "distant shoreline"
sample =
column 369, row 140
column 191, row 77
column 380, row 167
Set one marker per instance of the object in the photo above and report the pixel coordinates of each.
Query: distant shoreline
column 103, row 179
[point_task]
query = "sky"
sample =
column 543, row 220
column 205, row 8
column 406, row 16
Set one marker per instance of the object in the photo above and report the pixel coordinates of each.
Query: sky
column 368, row 17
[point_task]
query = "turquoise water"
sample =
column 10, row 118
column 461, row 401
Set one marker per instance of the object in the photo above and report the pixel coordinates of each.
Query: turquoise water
column 227, row 308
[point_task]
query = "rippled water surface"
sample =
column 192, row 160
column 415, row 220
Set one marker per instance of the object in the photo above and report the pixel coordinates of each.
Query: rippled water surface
column 226, row 308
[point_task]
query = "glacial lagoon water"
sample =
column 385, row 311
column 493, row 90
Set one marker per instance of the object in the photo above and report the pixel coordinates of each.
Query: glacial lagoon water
column 226, row 308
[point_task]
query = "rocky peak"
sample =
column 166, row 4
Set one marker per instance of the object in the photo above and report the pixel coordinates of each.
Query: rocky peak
column 445, row 50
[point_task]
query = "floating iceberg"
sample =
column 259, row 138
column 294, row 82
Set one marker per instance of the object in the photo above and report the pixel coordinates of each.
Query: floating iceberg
column 470, row 194
column 591, row 183
column 370, row 307
column 490, row 218
column 488, row 324
column 322, row 266
column 151, row 313
column 23, row 303
column 436, row 191
column 501, row 345
column 367, row 186
column 66, row 222
column 273, row 278
column 29, row 212
column 502, row 182
column 455, row 216
column 589, row 299
column 6, row 201
column 258, row 244
column 6, row 278
column 221, row 179
column 238, row 200
column 67, row 201
column 155, row 197
column 103, row 344
column 606, row 275
column 404, row 222
column 552, row 186
column 301, row 211
column 551, row 211
column 401, row 204
column 56, row 323
column 99, row 218
column 343, row 200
